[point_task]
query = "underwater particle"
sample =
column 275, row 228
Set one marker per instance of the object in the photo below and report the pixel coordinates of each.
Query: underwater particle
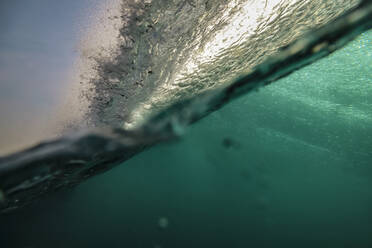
column 163, row 222
column 208, row 5
column 229, row 143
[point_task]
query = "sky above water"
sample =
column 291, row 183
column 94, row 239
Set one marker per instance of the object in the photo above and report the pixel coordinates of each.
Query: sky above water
column 39, row 42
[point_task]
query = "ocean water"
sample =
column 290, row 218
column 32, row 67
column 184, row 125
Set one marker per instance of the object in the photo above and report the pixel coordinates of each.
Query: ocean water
column 287, row 166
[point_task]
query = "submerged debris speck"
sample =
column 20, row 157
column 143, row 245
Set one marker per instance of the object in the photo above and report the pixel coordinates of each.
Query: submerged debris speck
column 163, row 222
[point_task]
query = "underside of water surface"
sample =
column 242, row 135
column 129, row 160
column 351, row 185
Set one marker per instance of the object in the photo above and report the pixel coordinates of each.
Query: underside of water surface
column 279, row 152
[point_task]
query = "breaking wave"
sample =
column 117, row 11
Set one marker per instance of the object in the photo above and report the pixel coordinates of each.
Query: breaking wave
column 145, row 55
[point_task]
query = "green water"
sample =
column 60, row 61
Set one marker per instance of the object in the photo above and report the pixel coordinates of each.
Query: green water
column 288, row 166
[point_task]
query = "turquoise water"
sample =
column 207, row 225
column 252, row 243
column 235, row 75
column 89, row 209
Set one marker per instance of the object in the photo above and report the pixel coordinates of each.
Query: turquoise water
column 288, row 166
